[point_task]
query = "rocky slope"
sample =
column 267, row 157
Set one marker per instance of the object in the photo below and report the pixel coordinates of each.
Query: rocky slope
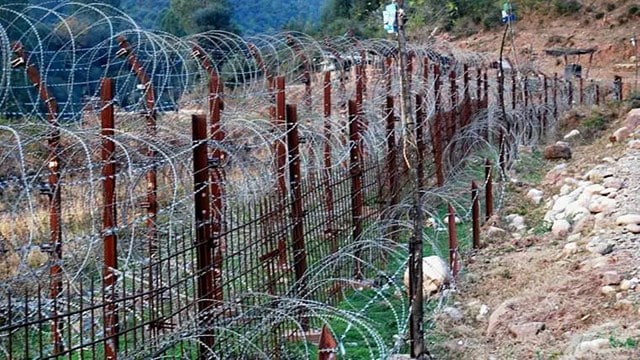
column 565, row 283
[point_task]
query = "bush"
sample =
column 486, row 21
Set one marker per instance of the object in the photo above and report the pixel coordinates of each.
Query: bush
column 566, row 7
column 610, row 7
column 633, row 10
column 599, row 15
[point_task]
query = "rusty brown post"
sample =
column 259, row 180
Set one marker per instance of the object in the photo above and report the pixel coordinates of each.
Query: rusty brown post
column 485, row 100
column 306, row 74
column 437, row 128
column 297, row 212
column 328, row 192
column 203, row 233
column 453, row 242
column 327, row 345
column 466, row 101
column 425, row 76
column 217, row 179
column 392, row 151
column 281, row 157
column 109, row 218
column 488, row 178
column 151, row 204
column 357, row 197
column 53, row 191
column 475, row 210
column 581, row 85
column 570, row 89
column 452, row 126
column 479, row 85
column 597, row 94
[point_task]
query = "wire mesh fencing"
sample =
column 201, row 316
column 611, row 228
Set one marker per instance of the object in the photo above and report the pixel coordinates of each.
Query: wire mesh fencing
column 222, row 197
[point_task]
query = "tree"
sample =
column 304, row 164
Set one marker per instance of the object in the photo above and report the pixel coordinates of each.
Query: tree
column 201, row 15
column 170, row 23
column 213, row 17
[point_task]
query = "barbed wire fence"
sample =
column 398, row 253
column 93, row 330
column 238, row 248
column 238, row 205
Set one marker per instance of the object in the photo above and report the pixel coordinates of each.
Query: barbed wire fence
column 222, row 197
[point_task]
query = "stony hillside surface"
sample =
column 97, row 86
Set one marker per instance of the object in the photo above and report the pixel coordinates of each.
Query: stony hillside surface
column 559, row 277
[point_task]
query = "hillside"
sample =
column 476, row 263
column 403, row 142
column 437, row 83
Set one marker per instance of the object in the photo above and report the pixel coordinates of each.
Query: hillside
column 606, row 26
column 251, row 17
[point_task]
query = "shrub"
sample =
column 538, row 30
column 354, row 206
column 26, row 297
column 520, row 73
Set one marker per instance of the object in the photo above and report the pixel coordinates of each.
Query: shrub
column 610, row 7
column 566, row 7
column 599, row 15
column 633, row 10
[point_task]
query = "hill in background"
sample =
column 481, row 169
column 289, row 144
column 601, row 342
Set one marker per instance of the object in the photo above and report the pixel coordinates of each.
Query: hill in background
column 255, row 16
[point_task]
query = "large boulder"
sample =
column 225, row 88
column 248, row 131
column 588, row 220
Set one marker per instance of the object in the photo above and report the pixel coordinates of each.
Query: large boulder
column 435, row 275
column 556, row 151
column 633, row 119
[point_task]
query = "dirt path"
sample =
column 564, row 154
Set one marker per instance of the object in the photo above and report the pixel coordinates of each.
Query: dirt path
column 566, row 292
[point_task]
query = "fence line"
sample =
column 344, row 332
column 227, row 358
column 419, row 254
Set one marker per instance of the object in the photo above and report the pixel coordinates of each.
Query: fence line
column 259, row 222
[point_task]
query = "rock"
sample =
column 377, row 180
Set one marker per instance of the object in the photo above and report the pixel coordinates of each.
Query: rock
column 609, row 160
column 601, row 221
column 527, row 330
column 634, row 144
column 570, row 249
column 516, row 222
column 587, row 349
column 535, row 196
column 496, row 317
column 593, row 189
column 584, row 224
column 632, row 119
column 435, row 274
column 608, row 192
column 496, row 234
column 598, row 246
column 560, row 229
column 555, row 175
column 36, row 258
column 621, row 134
column 446, row 220
column 557, row 151
column 624, row 305
column 608, row 290
column 484, row 311
column 453, row 313
column 628, row 284
column 628, row 219
column 612, row 182
column 601, row 204
column 633, row 228
column 561, row 203
column 576, row 210
column 598, row 173
column 573, row 133
column 611, row 278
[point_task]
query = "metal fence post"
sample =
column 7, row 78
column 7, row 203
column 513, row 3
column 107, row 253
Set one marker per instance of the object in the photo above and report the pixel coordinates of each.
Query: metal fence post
column 357, row 197
column 488, row 178
column 453, row 242
column 437, row 127
column 52, row 190
column 475, row 211
column 281, row 158
column 203, row 233
column 109, row 218
column 328, row 193
column 297, row 211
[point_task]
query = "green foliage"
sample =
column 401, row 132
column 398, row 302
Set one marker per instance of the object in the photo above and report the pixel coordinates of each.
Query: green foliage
column 633, row 9
column 629, row 343
column 566, row 7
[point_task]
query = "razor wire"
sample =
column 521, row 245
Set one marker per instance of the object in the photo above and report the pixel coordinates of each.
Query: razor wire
column 73, row 46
